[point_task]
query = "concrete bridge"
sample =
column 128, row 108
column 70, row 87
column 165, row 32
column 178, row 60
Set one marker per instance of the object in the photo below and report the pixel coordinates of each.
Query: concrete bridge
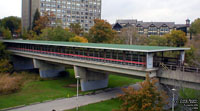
column 93, row 62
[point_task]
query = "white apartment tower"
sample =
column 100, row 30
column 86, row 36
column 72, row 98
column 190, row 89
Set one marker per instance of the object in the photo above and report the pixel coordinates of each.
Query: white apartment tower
column 66, row 11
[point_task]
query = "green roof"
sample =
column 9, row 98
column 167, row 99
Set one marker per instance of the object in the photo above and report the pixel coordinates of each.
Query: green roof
column 136, row 48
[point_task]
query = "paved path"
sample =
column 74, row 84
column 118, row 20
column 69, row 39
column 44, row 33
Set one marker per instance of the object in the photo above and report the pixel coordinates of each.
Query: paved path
column 70, row 103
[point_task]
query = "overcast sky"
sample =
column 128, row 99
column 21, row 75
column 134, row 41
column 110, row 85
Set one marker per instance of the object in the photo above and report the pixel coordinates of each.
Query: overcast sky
column 147, row 10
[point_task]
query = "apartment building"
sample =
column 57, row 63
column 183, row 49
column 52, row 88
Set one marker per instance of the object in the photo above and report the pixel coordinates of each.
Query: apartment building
column 65, row 11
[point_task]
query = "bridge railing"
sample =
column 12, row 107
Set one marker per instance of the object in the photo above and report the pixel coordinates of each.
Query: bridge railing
column 181, row 68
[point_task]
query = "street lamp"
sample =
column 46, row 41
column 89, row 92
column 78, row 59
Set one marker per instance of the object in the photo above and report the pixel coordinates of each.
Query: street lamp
column 173, row 101
column 77, row 77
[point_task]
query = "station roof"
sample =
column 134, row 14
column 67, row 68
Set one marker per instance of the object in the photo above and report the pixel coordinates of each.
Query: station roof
column 135, row 48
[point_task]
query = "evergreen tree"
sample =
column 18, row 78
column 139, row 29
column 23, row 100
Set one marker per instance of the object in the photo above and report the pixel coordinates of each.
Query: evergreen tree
column 36, row 17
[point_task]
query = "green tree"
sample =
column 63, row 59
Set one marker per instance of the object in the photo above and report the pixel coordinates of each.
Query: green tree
column 147, row 98
column 55, row 34
column 101, row 32
column 36, row 18
column 176, row 38
column 5, row 66
column 7, row 34
column 195, row 27
column 12, row 23
column 4, row 54
column 76, row 28
column 156, row 41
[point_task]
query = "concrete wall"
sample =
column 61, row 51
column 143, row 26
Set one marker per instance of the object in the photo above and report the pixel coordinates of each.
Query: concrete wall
column 180, row 78
column 91, row 80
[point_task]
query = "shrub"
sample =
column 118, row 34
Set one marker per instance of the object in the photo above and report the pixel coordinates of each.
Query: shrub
column 9, row 84
column 5, row 66
column 13, row 83
column 147, row 98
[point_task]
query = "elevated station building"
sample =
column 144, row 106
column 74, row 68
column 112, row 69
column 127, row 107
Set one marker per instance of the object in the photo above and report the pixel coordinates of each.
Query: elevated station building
column 94, row 62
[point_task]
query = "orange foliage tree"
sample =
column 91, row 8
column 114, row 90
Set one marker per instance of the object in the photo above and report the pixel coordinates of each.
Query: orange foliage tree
column 44, row 22
column 147, row 98
column 101, row 32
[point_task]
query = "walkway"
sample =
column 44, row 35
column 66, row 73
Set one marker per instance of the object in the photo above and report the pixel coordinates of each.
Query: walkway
column 70, row 103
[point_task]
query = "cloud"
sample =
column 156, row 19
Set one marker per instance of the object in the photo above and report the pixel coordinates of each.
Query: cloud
column 151, row 10
column 147, row 10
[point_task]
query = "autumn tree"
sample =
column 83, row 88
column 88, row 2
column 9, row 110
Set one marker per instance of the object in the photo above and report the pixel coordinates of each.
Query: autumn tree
column 35, row 18
column 147, row 98
column 44, row 22
column 176, row 38
column 101, row 32
column 76, row 28
column 78, row 39
column 195, row 27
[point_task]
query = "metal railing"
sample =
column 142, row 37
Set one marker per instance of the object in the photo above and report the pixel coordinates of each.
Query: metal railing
column 181, row 68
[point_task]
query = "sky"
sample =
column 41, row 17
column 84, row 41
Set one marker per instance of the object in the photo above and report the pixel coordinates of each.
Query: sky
column 144, row 10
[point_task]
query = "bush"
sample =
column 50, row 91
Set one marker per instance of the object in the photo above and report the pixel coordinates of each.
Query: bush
column 13, row 83
column 5, row 66
column 78, row 39
column 10, row 84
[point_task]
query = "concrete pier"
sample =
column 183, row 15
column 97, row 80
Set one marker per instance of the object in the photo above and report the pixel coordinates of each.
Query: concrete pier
column 22, row 63
column 91, row 80
column 48, row 70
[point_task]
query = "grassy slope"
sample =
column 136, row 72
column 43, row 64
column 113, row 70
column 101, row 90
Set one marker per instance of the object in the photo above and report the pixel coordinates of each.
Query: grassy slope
column 102, row 106
column 38, row 91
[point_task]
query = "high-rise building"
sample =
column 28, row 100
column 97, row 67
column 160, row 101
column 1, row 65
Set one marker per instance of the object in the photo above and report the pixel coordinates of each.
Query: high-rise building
column 66, row 11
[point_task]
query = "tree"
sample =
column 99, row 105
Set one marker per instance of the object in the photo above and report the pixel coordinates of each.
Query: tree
column 7, row 34
column 76, row 28
column 157, row 41
column 36, row 18
column 55, row 34
column 4, row 54
column 101, row 32
column 147, row 98
column 5, row 66
column 44, row 22
column 176, row 38
column 12, row 23
column 129, row 35
column 78, row 39
column 195, row 27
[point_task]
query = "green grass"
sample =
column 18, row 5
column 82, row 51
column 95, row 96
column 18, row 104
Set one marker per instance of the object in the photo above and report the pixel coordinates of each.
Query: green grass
column 38, row 91
column 101, row 106
column 50, row 89
column 119, row 81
